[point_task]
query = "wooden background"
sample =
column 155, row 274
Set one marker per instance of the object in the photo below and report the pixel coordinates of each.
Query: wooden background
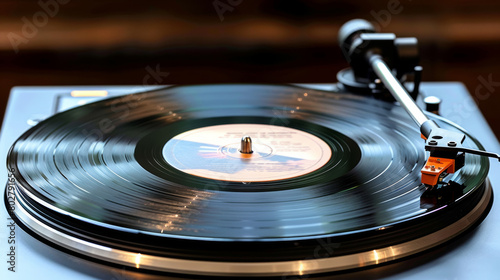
column 64, row 42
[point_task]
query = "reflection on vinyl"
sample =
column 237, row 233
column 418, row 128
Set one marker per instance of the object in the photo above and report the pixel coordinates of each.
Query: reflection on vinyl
column 157, row 180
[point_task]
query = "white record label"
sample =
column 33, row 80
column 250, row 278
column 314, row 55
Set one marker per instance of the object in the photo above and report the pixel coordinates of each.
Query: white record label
column 278, row 152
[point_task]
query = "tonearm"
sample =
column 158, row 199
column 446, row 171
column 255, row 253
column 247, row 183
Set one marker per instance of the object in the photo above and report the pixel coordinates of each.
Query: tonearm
column 378, row 59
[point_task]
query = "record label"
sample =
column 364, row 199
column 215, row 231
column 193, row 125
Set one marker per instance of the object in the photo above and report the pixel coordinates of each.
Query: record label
column 278, row 152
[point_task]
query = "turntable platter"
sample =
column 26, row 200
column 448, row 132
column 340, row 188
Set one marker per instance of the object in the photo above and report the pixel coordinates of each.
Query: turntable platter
column 155, row 180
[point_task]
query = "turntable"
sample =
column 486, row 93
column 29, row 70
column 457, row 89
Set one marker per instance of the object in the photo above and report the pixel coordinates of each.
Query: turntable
column 292, row 181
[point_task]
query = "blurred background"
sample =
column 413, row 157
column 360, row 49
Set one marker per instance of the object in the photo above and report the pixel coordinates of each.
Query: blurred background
column 64, row 42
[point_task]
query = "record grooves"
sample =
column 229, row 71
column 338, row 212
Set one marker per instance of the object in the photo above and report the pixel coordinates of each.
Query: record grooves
column 99, row 173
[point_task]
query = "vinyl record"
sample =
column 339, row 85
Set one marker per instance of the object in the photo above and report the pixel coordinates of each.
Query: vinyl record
column 156, row 180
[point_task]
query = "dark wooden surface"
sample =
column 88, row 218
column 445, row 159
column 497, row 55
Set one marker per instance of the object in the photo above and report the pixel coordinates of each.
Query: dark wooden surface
column 116, row 42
